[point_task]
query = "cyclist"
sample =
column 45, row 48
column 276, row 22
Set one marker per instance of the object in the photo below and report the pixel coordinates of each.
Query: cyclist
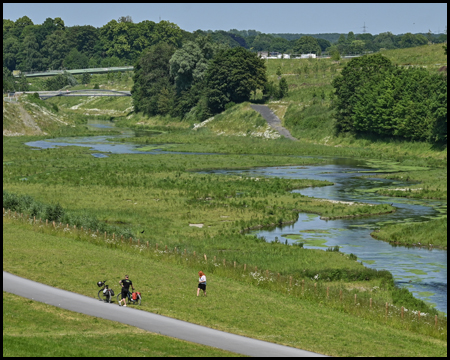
column 126, row 283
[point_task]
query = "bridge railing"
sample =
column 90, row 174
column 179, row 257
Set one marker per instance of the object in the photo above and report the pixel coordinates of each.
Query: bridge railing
column 73, row 71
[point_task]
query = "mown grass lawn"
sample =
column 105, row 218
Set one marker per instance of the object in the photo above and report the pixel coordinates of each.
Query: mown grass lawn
column 34, row 329
column 170, row 290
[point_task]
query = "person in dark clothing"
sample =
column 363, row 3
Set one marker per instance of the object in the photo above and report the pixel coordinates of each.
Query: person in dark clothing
column 126, row 283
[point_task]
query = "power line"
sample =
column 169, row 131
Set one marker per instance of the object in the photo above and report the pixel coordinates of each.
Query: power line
column 364, row 27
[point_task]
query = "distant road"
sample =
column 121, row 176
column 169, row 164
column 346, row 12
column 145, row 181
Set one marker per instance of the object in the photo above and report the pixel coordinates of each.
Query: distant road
column 272, row 120
column 146, row 320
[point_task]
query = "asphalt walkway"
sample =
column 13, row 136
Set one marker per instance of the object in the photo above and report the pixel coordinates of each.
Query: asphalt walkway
column 145, row 320
column 272, row 120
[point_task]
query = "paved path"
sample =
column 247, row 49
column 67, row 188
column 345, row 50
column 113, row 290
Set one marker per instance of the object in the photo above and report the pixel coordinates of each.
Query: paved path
column 272, row 120
column 146, row 320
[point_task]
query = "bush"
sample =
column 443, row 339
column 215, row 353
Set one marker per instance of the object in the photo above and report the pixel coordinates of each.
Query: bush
column 229, row 105
column 54, row 212
column 96, row 86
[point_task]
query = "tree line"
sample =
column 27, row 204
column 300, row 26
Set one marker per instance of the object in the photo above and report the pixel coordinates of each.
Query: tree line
column 375, row 97
column 196, row 81
column 52, row 45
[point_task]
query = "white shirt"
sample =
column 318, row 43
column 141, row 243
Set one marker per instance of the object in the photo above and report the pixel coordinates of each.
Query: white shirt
column 202, row 279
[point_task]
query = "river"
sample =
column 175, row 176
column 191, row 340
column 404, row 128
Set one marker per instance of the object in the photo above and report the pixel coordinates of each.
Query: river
column 422, row 270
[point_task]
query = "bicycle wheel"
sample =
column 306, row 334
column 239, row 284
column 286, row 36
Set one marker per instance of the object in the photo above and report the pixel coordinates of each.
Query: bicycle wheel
column 119, row 297
column 108, row 297
column 100, row 295
column 139, row 300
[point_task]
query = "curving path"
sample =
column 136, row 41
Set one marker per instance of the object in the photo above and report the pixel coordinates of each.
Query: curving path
column 146, row 320
column 272, row 120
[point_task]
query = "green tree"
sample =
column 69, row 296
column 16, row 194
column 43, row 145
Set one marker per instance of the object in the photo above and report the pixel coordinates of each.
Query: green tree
column 279, row 71
column 142, row 37
column 385, row 40
column 86, row 79
column 55, row 49
column 8, row 25
column 11, row 48
column 59, row 24
column 283, row 88
column 151, row 75
column 188, row 65
column 8, row 80
column 111, row 61
column 20, row 23
column 280, row 45
column 353, row 76
column 262, row 42
column 83, row 38
column 411, row 40
column 75, row 60
column 334, row 53
column 167, row 32
column 324, row 44
column 29, row 55
column 125, row 19
column 59, row 81
column 357, row 46
column 22, row 83
column 307, row 45
column 406, row 103
column 342, row 44
column 232, row 76
column 350, row 37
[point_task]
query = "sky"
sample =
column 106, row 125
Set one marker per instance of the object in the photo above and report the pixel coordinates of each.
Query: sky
column 267, row 18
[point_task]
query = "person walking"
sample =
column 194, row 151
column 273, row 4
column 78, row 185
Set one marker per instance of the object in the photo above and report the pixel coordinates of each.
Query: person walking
column 201, row 283
column 126, row 283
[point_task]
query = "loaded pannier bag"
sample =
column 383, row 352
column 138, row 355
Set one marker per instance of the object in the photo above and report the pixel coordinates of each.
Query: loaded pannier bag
column 134, row 296
column 112, row 292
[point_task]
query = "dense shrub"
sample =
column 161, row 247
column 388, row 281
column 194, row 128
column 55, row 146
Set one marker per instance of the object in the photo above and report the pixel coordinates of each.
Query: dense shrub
column 375, row 97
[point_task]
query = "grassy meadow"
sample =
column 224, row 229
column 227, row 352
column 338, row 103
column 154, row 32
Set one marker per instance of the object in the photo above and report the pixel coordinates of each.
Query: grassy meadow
column 31, row 328
column 265, row 311
column 166, row 201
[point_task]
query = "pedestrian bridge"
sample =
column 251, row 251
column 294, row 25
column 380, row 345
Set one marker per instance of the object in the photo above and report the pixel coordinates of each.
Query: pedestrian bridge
column 105, row 70
column 86, row 92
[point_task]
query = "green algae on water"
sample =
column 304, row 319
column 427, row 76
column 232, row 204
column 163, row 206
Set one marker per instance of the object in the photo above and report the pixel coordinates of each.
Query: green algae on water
column 416, row 271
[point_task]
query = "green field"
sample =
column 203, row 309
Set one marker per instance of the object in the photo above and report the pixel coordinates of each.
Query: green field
column 34, row 329
column 157, row 198
column 232, row 305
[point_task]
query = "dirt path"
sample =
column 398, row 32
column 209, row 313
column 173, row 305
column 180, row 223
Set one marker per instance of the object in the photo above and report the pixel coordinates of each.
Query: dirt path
column 272, row 120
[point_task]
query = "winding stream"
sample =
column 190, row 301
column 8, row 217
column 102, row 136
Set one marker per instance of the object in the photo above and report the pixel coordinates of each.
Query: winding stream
column 421, row 270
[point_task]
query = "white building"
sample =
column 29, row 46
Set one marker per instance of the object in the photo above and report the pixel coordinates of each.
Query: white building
column 308, row 56
column 273, row 55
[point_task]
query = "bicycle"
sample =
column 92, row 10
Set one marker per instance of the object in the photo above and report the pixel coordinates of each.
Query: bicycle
column 130, row 299
column 105, row 293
